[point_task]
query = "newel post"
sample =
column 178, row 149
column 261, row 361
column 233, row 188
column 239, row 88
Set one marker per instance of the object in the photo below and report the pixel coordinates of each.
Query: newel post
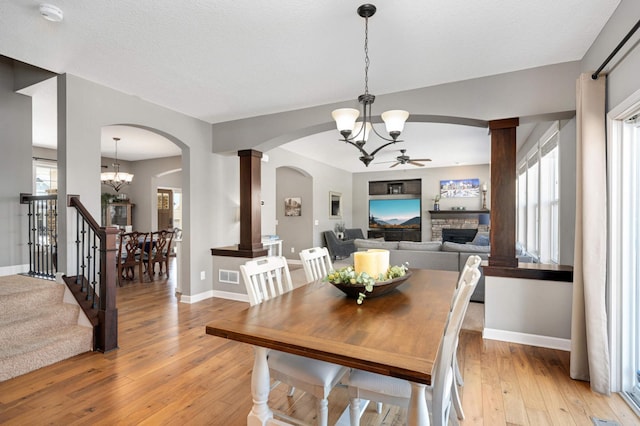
column 107, row 333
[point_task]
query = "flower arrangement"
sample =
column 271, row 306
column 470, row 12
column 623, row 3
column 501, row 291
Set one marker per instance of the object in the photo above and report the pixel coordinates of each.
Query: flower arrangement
column 348, row 275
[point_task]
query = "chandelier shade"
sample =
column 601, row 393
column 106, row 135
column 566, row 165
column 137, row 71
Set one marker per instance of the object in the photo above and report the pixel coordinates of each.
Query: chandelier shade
column 357, row 133
column 116, row 179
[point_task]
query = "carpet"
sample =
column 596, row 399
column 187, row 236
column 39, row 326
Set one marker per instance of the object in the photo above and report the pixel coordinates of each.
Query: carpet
column 36, row 327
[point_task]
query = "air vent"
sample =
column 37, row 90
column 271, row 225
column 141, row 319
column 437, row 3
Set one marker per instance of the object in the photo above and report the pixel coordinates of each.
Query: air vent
column 230, row 277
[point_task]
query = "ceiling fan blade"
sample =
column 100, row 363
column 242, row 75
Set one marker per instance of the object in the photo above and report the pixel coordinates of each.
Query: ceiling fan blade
column 421, row 159
column 393, row 165
column 415, row 163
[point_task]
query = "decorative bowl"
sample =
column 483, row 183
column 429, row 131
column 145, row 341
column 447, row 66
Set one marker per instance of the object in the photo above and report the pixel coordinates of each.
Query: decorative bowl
column 379, row 288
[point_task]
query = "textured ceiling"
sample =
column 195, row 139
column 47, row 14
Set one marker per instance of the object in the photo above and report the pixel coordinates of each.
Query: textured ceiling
column 222, row 60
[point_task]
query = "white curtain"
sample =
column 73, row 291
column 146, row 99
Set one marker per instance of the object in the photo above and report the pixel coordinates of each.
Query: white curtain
column 589, row 340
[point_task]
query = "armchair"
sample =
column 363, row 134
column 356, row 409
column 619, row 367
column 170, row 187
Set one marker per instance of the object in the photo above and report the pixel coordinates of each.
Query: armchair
column 338, row 249
column 353, row 233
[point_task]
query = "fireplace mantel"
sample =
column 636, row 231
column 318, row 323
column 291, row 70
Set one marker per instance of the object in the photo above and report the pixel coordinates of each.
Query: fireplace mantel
column 456, row 219
column 457, row 213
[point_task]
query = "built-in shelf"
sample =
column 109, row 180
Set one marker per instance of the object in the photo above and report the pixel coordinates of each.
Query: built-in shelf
column 436, row 212
column 396, row 187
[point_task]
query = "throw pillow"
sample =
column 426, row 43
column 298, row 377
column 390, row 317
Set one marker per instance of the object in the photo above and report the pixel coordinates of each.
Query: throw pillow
column 481, row 239
column 372, row 244
column 465, row 248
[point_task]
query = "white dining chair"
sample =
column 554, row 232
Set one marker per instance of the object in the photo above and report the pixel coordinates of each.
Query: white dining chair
column 266, row 278
column 473, row 262
column 316, row 262
column 391, row 390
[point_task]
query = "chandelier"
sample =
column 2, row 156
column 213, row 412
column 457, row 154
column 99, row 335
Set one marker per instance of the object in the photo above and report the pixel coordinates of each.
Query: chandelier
column 357, row 133
column 116, row 179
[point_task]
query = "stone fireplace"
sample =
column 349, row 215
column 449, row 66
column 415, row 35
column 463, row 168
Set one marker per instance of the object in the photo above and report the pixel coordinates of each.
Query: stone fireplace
column 458, row 219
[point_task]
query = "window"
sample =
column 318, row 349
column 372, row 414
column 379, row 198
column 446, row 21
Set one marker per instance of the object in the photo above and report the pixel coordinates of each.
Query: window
column 624, row 261
column 538, row 198
column 45, row 179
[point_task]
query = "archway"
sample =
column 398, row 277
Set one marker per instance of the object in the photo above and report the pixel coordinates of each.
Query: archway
column 294, row 210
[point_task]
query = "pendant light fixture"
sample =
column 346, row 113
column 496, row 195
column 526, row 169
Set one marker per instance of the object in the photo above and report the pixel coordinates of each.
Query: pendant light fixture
column 357, row 133
column 116, row 179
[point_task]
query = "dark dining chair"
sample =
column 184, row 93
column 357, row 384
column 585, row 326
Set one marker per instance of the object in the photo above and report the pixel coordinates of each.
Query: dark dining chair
column 130, row 255
column 160, row 252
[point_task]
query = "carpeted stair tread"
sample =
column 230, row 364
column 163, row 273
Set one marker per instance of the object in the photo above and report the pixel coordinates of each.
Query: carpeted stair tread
column 47, row 317
column 36, row 327
column 42, row 350
column 21, row 294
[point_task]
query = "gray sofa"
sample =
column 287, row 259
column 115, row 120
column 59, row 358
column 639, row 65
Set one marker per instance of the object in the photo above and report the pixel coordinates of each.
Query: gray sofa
column 445, row 256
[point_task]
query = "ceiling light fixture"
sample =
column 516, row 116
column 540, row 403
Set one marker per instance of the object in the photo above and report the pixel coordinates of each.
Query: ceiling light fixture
column 51, row 13
column 357, row 134
column 116, row 179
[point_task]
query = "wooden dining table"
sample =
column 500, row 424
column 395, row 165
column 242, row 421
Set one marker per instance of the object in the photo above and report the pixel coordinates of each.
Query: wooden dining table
column 396, row 334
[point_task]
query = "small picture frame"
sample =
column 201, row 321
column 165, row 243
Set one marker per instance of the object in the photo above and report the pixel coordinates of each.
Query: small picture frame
column 335, row 205
column 293, row 206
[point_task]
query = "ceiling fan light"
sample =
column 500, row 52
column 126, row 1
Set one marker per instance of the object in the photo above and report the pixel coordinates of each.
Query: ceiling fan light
column 345, row 118
column 394, row 120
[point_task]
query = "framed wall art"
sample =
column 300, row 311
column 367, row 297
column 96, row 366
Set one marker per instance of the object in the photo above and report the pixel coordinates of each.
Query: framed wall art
column 460, row 188
column 292, row 206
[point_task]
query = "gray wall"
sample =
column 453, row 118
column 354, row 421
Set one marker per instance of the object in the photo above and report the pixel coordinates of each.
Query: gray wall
column 623, row 69
column 431, row 178
column 518, row 94
column 85, row 107
column 296, row 232
column 325, row 179
column 143, row 191
column 15, row 163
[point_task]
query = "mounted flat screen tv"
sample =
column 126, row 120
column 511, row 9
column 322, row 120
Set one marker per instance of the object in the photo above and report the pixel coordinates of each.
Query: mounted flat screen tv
column 395, row 213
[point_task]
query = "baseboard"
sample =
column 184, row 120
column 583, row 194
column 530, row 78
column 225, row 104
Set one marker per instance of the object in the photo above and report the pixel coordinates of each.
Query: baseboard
column 527, row 339
column 214, row 293
column 13, row 270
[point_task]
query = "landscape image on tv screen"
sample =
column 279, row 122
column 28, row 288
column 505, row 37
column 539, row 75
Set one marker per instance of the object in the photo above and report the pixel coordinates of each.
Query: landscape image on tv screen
column 396, row 213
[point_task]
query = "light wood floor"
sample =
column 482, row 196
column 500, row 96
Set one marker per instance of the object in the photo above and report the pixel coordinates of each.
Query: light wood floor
column 168, row 371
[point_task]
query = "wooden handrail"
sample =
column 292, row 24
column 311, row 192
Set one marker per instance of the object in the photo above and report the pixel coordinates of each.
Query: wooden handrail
column 106, row 331
column 74, row 201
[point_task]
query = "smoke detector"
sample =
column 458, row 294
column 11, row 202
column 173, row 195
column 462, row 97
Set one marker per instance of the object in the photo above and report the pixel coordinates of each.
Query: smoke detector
column 51, row 13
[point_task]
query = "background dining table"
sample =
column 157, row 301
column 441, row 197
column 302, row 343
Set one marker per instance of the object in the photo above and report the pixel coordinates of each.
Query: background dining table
column 396, row 334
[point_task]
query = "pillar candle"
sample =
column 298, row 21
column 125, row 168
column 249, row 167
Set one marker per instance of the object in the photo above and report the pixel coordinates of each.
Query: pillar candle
column 382, row 261
column 374, row 262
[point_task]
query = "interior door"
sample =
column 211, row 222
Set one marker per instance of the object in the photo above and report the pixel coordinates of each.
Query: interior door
column 165, row 208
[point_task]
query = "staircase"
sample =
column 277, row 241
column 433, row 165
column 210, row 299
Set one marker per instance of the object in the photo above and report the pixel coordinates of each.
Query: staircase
column 37, row 328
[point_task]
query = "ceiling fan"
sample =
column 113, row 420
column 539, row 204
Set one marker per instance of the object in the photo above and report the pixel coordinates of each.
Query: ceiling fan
column 405, row 159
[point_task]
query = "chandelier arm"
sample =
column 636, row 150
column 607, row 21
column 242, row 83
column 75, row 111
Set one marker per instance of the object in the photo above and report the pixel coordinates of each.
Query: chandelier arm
column 382, row 137
column 382, row 146
column 359, row 147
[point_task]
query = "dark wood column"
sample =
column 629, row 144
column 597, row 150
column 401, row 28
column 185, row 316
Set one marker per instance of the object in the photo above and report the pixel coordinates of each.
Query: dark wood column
column 503, row 192
column 250, row 204
column 250, row 187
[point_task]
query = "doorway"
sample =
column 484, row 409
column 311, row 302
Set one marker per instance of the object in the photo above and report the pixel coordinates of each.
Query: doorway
column 165, row 208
